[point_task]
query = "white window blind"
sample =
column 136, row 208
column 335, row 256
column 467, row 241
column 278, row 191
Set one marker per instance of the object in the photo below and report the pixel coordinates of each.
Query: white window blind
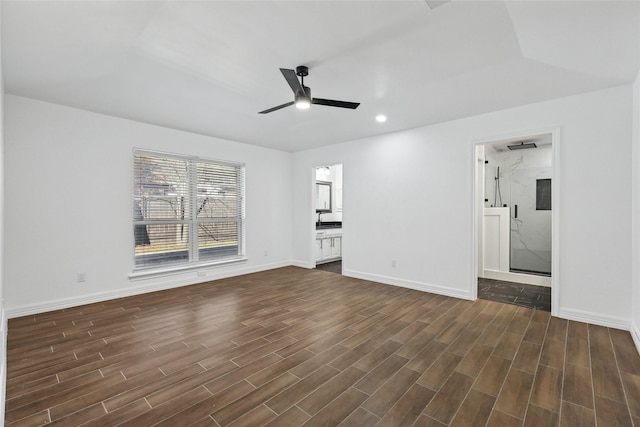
column 186, row 210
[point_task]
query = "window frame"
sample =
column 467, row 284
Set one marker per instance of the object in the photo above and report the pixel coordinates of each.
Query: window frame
column 192, row 221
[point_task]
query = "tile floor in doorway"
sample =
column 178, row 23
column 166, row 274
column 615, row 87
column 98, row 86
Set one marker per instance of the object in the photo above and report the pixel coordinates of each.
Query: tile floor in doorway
column 530, row 296
column 332, row 267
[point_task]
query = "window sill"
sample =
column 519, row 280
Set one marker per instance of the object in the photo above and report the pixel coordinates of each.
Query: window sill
column 167, row 271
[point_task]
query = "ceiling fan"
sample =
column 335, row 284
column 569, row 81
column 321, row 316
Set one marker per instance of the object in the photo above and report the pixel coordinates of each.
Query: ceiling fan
column 302, row 93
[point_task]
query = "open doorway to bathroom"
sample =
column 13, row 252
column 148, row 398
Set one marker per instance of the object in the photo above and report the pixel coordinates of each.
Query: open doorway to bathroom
column 514, row 184
column 328, row 210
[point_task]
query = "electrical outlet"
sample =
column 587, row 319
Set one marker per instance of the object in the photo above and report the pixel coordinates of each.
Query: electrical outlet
column 82, row 277
column 266, row 252
column 202, row 273
column 393, row 263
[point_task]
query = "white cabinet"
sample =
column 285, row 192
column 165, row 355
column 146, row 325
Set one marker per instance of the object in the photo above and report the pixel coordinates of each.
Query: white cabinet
column 496, row 239
column 336, row 247
column 328, row 247
column 318, row 250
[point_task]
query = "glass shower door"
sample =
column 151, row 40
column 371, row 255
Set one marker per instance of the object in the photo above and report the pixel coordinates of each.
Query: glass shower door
column 530, row 220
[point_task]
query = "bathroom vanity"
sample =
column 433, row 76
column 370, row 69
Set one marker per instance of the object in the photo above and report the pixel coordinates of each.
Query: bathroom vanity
column 328, row 242
column 328, row 208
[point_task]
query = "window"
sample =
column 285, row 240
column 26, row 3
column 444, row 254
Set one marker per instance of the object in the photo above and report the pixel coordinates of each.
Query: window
column 186, row 210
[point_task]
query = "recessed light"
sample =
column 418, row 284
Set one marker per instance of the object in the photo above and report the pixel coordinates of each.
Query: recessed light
column 381, row 118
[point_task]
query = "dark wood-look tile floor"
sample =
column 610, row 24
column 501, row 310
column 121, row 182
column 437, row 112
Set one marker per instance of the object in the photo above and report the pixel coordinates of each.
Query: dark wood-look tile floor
column 529, row 296
column 292, row 347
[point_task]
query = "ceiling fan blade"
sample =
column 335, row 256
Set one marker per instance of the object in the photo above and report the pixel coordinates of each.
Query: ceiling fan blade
column 276, row 108
column 334, row 103
column 292, row 79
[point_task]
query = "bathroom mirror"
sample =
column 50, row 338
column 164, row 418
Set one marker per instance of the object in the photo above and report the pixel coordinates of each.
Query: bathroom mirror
column 323, row 197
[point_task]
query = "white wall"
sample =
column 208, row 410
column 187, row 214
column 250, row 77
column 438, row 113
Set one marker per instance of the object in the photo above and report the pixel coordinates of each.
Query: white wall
column 53, row 152
column 3, row 313
column 635, row 214
column 68, row 198
column 429, row 172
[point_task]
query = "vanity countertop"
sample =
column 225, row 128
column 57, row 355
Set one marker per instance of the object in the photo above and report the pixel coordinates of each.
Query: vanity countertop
column 325, row 225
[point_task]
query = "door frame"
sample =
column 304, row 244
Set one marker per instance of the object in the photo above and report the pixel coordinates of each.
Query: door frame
column 314, row 216
column 477, row 203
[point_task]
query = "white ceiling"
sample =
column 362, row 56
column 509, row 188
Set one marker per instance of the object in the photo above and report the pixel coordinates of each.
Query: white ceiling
column 208, row 67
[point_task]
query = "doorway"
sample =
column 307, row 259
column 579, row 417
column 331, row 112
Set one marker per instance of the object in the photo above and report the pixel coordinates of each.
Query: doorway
column 515, row 214
column 327, row 208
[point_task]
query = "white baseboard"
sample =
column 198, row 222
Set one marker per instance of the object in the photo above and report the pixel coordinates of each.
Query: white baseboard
column 635, row 334
column 595, row 318
column 419, row 286
column 303, row 264
column 508, row 276
column 169, row 282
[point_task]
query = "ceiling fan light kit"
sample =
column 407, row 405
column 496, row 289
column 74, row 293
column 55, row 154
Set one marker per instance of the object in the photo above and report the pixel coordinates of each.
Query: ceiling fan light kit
column 303, row 100
column 302, row 93
column 303, row 103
